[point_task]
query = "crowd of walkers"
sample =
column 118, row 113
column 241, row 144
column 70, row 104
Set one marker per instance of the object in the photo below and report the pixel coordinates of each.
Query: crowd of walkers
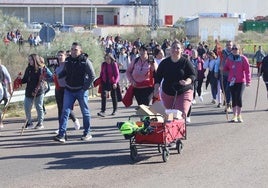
column 224, row 69
column 172, row 72
column 18, row 38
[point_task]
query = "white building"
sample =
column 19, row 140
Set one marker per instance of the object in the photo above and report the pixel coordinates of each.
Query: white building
column 223, row 28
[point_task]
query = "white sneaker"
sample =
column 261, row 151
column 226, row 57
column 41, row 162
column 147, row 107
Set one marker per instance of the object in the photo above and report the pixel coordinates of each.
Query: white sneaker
column 77, row 124
column 201, row 99
column 193, row 101
column 57, row 131
column 86, row 137
column 188, row 120
column 1, row 126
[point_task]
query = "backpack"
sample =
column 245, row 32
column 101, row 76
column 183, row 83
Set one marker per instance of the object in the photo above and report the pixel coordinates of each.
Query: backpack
column 151, row 75
column 3, row 90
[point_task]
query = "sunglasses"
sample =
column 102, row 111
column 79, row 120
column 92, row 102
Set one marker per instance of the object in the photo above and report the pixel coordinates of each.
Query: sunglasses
column 234, row 48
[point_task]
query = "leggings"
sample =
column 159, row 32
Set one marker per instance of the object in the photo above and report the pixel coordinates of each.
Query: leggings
column 237, row 91
column 144, row 95
column 199, row 87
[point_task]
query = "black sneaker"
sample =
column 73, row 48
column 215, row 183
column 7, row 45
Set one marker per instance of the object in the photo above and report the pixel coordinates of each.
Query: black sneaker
column 219, row 105
column 101, row 114
column 29, row 126
column 59, row 138
column 114, row 112
column 39, row 126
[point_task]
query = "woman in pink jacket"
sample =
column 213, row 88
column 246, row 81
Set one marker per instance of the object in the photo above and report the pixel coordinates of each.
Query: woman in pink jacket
column 109, row 82
column 239, row 77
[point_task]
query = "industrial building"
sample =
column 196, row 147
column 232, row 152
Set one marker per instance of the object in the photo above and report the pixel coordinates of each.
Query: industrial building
column 153, row 13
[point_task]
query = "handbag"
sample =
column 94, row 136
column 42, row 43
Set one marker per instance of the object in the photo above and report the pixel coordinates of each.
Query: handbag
column 118, row 93
column 97, row 82
column 44, row 85
column 56, row 82
column 128, row 98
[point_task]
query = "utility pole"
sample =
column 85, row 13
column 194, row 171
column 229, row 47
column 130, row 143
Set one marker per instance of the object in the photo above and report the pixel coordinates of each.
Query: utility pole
column 154, row 14
column 90, row 25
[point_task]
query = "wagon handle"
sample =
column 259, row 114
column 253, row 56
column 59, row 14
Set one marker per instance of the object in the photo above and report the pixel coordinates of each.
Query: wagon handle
column 156, row 115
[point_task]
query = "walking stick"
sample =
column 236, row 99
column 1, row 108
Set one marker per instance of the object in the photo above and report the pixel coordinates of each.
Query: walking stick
column 23, row 127
column 257, row 93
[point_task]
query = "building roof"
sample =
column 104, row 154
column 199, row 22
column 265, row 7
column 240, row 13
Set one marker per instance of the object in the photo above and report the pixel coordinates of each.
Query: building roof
column 73, row 2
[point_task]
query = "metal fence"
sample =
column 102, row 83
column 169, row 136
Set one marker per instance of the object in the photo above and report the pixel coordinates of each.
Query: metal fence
column 18, row 96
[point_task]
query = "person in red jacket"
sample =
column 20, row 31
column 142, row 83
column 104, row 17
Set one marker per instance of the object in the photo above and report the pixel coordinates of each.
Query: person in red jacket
column 239, row 77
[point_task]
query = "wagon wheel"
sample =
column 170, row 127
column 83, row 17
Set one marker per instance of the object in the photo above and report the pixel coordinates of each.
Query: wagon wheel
column 179, row 146
column 165, row 154
column 133, row 153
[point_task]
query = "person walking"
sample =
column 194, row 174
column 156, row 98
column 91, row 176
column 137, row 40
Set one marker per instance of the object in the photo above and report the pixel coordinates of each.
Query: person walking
column 123, row 62
column 198, row 64
column 226, row 52
column 109, row 76
column 35, row 77
column 158, row 55
column 264, row 72
column 259, row 55
column 5, row 86
column 134, row 53
column 178, row 75
column 210, row 63
column 59, row 90
column 239, row 77
column 79, row 76
column 217, row 75
column 140, row 74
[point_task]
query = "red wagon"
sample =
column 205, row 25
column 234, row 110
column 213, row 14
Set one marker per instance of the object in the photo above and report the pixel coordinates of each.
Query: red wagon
column 163, row 135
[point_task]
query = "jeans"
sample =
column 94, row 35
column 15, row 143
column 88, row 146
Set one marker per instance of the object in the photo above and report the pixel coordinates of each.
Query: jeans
column 68, row 101
column 28, row 103
column 214, row 86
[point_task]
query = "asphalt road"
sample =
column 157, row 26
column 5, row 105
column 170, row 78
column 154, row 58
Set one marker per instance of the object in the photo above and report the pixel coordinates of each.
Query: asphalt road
column 215, row 154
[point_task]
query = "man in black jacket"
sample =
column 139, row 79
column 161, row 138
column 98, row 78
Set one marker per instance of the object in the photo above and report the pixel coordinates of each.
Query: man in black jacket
column 79, row 75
